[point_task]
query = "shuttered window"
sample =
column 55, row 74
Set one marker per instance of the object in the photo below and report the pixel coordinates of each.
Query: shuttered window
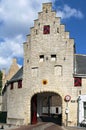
column 77, row 81
column 11, row 86
column 20, row 84
column 46, row 29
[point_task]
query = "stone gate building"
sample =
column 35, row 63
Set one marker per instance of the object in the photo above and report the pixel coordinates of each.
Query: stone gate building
column 52, row 78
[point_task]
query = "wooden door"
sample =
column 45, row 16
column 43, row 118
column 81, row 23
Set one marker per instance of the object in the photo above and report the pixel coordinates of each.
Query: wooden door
column 34, row 110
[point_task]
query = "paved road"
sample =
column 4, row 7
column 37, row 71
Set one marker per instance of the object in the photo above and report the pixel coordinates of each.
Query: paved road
column 39, row 126
column 43, row 126
column 75, row 128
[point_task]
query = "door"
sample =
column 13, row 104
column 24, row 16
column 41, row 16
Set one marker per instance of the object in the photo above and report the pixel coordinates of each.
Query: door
column 34, row 110
column 84, row 110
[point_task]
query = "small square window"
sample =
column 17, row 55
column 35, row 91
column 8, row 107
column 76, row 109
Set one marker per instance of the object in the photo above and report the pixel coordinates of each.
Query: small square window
column 11, row 86
column 77, row 81
column 20, row 84
column 46, row 29
column 41, row 58
column 53, row 57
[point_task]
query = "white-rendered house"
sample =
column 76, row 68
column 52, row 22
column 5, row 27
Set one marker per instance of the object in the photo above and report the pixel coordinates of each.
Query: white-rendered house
column 82, row 108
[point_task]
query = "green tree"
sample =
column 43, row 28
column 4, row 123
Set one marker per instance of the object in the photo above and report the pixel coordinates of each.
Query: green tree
column 0, row 81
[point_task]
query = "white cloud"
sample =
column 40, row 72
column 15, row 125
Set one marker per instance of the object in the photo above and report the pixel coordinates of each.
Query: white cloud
column 5, row 63
column 68, row 12
column 9, row 49
column 12, row 47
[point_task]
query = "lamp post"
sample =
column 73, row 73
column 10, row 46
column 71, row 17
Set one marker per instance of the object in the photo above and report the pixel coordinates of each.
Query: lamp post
column 66, row 112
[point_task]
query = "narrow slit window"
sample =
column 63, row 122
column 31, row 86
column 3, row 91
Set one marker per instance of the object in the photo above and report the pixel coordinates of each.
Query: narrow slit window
column 53, row 57
column 46, row 11
column 36, row 31
column 57, row 30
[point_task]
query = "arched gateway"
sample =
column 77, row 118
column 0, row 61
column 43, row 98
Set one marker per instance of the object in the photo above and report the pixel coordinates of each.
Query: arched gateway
column 46, row 107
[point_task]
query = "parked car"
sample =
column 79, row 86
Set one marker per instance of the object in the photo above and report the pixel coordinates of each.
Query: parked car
column 83, row 123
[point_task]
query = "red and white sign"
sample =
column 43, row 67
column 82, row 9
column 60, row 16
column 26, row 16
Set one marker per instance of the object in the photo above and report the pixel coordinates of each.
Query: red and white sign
column 67, row 98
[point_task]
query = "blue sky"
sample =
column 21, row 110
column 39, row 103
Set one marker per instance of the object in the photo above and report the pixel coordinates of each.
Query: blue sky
column 76, row 25
column 16, row 18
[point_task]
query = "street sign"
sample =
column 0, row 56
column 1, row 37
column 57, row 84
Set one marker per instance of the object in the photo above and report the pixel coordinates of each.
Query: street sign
column 67, row 98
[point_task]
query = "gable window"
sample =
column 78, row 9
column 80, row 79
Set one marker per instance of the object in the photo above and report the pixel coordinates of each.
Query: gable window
column 20, row 84
column 46, row 29
column 41, row 58
column 11, row 86
column 77, row 81
column 53, row 57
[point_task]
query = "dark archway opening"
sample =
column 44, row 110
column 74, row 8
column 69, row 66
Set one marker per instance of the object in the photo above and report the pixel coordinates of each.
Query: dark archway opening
column 46, row 107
